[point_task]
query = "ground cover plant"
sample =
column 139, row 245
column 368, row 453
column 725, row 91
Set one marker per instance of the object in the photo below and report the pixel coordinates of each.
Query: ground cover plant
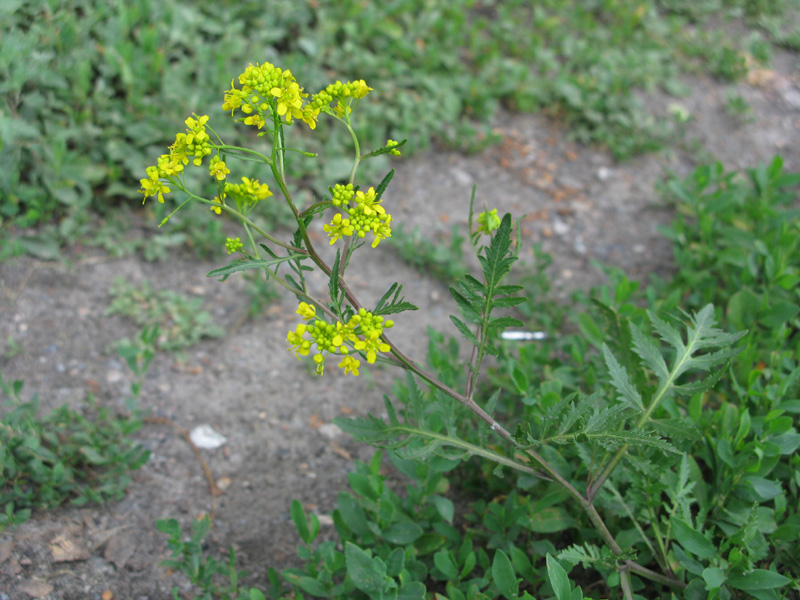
column 90, row 87
column 68, row 455
column 659, row 473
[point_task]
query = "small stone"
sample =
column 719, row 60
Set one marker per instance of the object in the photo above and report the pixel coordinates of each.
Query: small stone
column 330, row 431
column 205, row 436
column 603, row 173
column 223, row 483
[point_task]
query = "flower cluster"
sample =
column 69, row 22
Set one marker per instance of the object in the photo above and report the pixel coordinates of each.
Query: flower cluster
column 233, row 245
column 246, row 195
column 365, row 214
column 392, row 144
column 345, row 94
column 266, row 88
column 363, row 331
column 194, row 144
column 488, row 221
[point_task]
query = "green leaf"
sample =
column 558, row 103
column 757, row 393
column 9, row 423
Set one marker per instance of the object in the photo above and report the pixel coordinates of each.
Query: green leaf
column 496, row 263
column 445, row 563
column 550, row 520
column 384, row 182
column 414, row 590
column 558, row 578
column 714, row 577
column 366, row 573
column 503, row 574
column 403, row 533
column 622, row 382
column 742, row 308
column 333, row 283
column 765, row 489
column 692, row 540
column 300, row 522
column 778, row 313
column 444, row 506
column 758, row 579
column 649, row 353
column 245, row 264
column 465, row 330
column 307, row 584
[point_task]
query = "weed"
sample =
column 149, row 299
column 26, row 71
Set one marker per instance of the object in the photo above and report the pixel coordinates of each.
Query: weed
column 68, row 455
column 180, row 320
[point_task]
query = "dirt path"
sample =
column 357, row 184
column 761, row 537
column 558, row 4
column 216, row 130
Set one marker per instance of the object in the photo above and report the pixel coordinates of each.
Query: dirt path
column 275, row 415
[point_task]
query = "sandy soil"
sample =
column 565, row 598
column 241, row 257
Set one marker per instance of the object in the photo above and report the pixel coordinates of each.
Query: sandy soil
column 276, row 416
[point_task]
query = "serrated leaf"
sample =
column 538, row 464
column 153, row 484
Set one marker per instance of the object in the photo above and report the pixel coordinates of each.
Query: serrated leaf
column 246, row 264
column 622, row 382
column 465, row 331
column 383, row 185
column 508, row 302
column 496, row 262
column 503, row 322
column 649, row 353
column 469, row 312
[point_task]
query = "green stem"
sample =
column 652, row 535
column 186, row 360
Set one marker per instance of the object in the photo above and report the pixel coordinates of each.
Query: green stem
column 243, row 219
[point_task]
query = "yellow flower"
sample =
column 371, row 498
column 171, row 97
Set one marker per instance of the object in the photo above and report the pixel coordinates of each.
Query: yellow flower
column 488, row 221
column 306, row 311
column 152, row 186
column 299, row 344
column 350, row 365
column 338, row 228
column 217, row 168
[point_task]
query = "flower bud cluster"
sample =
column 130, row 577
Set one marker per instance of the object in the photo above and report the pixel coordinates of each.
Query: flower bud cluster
column 364, row 215
column 363, row 331
column 343, row 93
column 266, row 88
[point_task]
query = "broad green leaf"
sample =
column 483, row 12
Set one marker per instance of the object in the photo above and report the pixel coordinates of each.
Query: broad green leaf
column 403, row 533
column 765, row 489
column 444, row 506
column 778, row 313
column 558, row 578
column 308, row 584
column 758, row 579
column 414, row 590
column 714, row 577
column 365, row 572
column 504, row 576
column 445, row 563
column 299, row 518
column 692, row 540
column 743, row 308
column 550, row 520
column 788, row 442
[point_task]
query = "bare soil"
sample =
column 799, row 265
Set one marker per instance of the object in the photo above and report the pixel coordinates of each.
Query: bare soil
column 579, row 204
